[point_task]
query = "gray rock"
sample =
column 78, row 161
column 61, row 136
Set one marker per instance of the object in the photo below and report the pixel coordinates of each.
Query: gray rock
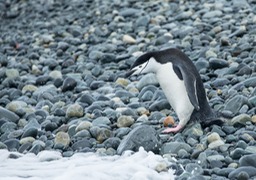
column 112, row 142
column 8, row 127
column 174, row 147
column 252, row 101
column 250, row 149
column 237, row 153
column 250, row 82
column 148, row 79
column 216, row 157
column 201, row 64
column 220, row 82
column 86, row 98
column 248, row 160
column 142, row 21
column 83, row 134
column 45, row 89
column 33, row 123
column 141, row 136
column 251, row 171
column 235, row 104
column 101, row 121
column 30, row 132
column 225, row 171
column 82, row 144
column 10, row 116
column 3, row 146
column 212, row 14
column 36, row 148
column 12, row 73
column 12, row 144
column 183, row 154
column 203, row 159
column 217, row 63
column 15, row 134
column 193, row 131
column 69, row 84
column 121, row 132
column 63, row 46
column 194, row 169
column 128, row 12
column 160, row 105
column 83, row 125
column 147, row 96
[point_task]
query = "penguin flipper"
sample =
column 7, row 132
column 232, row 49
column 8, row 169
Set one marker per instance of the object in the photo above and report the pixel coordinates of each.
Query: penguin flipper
column 190, row 82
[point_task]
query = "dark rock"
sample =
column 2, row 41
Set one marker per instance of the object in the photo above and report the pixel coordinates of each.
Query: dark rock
column 69, row 84
column 25, row 147
column 42, row 80
column 127, row 12
column 79, row 145
column 142, row 21
column 36, row 149
column 217, row 63
column 160, row 105
column 174, row 147
column 141, row 136
column 251, row 171
column 248, row 160
column 10, row 116
column 30, row 132
column 8, row 127
column 86, row 98
column 112, row 142
column 237, row 153
column 96, row 84
column 12, row 144
column 235, row 103
column 250, row 82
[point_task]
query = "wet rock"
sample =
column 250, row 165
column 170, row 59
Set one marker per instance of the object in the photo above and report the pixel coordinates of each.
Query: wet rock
column 61, row 140
column 174, row 147
column 9, row 115
column 144, row 136
column 69, row 84
column 248, row 160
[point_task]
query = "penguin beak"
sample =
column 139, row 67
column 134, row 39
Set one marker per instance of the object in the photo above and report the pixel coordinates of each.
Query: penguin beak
column 129, row 73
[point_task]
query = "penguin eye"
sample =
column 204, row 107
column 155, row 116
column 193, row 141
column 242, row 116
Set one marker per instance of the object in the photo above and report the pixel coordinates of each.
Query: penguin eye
column 140, row 66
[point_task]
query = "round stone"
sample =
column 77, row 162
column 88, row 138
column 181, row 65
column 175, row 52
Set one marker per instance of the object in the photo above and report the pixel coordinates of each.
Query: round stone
column 83, row 125
column 62, row 139
column 29, row 88
column 26, row 140
column 75, row 110
column 213, row 137
column 125, row 121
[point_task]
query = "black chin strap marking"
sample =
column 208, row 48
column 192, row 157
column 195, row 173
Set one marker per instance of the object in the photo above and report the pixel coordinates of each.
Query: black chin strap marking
column 144, row 67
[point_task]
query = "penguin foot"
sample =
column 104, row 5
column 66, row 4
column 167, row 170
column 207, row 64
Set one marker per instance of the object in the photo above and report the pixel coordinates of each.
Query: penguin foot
column 170, row 130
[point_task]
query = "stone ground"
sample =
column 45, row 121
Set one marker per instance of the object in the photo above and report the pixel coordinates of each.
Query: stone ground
column 62, row 66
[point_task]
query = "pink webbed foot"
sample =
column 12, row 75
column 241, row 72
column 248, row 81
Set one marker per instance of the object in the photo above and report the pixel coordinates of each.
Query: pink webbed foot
column 175, row 129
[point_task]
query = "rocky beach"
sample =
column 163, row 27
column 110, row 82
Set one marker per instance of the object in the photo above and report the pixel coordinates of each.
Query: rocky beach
column 63, row 87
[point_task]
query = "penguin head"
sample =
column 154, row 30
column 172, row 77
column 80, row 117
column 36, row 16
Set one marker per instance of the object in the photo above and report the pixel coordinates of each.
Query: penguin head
column 144, row 64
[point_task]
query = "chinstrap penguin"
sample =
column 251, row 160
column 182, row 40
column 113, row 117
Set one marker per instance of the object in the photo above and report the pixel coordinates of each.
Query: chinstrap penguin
column 181, row 84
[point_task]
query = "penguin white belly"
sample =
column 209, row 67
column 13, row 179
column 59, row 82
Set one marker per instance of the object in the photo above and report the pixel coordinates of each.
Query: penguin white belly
column 175, row 92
